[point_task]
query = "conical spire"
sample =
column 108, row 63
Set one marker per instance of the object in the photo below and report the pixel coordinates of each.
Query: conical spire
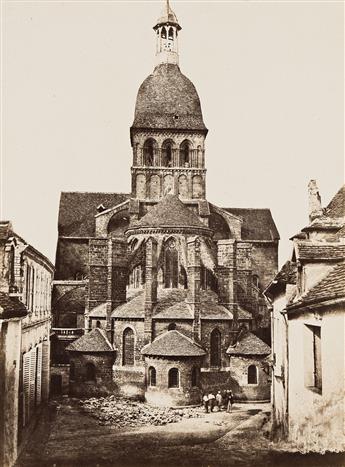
column 167, row 17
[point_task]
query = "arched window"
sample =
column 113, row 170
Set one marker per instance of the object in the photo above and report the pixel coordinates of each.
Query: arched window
column 195, row 376
column 255, row 280
column 90, row 372
column 173, row 378
column 152, row 376
column 171, row 265
column 171, row 33
column 164, row 33
column 184, row 154
column 72, row 371
column 128, row 347
column 252, row 374
column 215, row 348
column 167, row 154
column 172, row 327
column 149, row 147
column 98, row 324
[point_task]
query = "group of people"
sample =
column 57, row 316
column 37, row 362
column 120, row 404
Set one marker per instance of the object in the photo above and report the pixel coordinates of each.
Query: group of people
column 223, row 400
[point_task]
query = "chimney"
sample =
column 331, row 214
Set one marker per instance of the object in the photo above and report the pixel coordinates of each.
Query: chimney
column 315, row 207
column 194, row 267
column 150, row 286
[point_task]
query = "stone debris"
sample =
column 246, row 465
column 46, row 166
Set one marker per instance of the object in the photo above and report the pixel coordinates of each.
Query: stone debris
column 120, row 412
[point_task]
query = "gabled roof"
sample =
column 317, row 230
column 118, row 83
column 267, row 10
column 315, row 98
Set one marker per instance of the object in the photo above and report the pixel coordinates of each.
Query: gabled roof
column 329, row 288
column 77, row 211
column 173, row 344
column 11, row 307
column 249, row 344
column 317, row 251
column 169, row 212
column 94, row 341
column 286, row 275
column 258, row 224
column 336, row 207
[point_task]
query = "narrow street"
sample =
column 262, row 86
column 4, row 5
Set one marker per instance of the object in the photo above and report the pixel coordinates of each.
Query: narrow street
column 67, row 436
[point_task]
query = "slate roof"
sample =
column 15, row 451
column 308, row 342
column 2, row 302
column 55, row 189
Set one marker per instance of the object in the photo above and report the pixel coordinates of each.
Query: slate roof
column 170, row 211
column 330, row 287
column 168, row 99
column 336, row 207
column 77, row 211
column 171, row 304
column 258, row 224
column 243, row 314
column 94, row 341
column 11, row 307
column 173, row 344
column 309, row 251
column 249, row 344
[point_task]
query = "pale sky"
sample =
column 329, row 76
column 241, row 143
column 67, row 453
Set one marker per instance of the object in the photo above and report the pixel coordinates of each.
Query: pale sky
column 270, row 76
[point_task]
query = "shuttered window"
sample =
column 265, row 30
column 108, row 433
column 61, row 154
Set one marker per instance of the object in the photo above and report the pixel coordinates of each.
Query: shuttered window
column 38, row 395
column 26, row 387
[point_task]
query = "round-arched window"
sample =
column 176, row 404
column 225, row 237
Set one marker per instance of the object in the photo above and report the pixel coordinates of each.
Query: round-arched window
column 90, row 372
column 172, row 326
column 128, row 347
column 152, row 376
column 173, row 378
column 215, row 346
column 252, row 374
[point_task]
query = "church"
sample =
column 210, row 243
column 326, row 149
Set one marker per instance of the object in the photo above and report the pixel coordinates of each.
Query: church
column 158, row 292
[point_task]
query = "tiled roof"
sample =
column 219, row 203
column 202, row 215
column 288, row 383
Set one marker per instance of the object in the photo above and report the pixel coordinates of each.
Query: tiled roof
column 258, row 224
column 169, row 212
column 171, row 304
column 286, row 275
column 77, row 211
column 168, row 99
column 11, row 307
column 313, row 251
column 99, row 311
column 243, row 314
column 323, row 222
column 340, row 233
column 94, row 341
column 331, row 287
column 336, row 208
column 173, row 344
column 249, row 344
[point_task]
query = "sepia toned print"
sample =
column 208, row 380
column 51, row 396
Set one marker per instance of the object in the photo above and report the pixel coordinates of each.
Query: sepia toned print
column 167, row 333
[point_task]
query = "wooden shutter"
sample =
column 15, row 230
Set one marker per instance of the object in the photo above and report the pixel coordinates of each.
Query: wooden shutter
column 26, row 387
column 39, row 375
column 32, row 380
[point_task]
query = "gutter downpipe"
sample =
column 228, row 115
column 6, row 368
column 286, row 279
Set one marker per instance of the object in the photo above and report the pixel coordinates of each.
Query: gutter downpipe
column 284, row 314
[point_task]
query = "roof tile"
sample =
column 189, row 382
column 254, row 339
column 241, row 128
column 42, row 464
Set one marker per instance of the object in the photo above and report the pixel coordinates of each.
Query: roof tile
column 173, row 344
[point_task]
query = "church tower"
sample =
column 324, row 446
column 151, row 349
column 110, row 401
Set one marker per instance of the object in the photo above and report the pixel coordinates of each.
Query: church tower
column 168, row 133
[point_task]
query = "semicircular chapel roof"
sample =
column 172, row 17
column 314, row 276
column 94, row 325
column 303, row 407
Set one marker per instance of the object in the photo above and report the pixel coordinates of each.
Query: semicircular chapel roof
column 169, row 212
column 173, row 344
column 168, row 100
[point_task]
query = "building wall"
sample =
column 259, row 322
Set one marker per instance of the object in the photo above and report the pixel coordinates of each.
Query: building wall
column 161, row 394
column 183, row 326
column 103, row 382
column 279, row 368
column 265, row 261
column 10, row 341
column 239, row 378
column 72, row 257
column 316, row 418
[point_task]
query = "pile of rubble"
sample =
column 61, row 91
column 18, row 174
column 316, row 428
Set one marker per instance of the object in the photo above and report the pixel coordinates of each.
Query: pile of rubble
column 120, row 412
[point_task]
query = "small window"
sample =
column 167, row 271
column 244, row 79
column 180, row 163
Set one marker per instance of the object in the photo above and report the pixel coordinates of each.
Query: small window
column 174, row 378
column 98, row 324
column 215, row 345
column 312, row 358
column 72, row 371
column 90, row 372
column 195, row 377
column 152, row 376
column 171, row 326
column 128, row 347
column 252, row 374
